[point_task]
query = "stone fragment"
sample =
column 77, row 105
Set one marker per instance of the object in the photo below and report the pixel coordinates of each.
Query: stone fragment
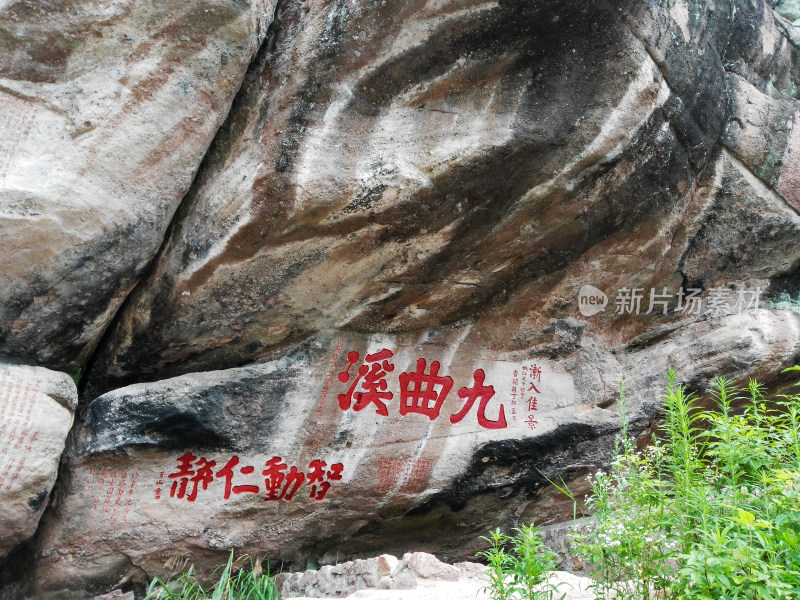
column 427, row 566
column 472, row 584
column 387, row 563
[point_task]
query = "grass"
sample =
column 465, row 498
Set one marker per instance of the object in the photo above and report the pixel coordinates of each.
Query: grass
column 234, row 583
column 519, row 565
column 710, row 511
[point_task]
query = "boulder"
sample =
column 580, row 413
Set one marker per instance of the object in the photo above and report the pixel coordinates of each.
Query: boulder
column 309, row 455
column 427, row 242
column 353, row 444
column 407, row 170
column 37, row 407
column 108, row 109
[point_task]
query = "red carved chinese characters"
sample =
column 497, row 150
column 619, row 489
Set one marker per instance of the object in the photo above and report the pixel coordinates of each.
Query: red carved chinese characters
column 17, row 428
column 372, row 378
column 159, row 483
column 182, row 475
column 320, row 480
column 227, row 473
column 411, row 474
column 281, row 481
column 326, row 386
column 422, row 391
column 423, row 398
column 485, row 393
column 273, row 477
column 185, row 475
column 531, row 392
column 108, row 490
column 294, row 479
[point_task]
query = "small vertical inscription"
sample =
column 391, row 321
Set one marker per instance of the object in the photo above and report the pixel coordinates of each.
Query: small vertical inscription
column 19, row 117
column 326, row 386
column 410, row 473
column 789, row 182
column 17, row 431
column 111, row 492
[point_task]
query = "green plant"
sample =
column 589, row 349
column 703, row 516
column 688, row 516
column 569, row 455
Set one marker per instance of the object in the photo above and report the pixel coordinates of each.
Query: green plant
column 233, row 584
column 531, row 563
column 711, row 511
column 624, row 544
column 523, row 568
column 499, row 563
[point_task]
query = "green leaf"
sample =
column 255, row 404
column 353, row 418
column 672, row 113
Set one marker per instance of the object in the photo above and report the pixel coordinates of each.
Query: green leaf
column 746, row 518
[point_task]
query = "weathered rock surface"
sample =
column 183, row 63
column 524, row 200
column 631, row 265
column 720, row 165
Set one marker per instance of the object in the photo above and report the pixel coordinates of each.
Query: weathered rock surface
column 434, row 453
column 36, row 411
column 418, row 575
column 385, row 572
column 506, row 207
column 415, row 164
column 790, row 9
column 208, row 461
column 108, row 108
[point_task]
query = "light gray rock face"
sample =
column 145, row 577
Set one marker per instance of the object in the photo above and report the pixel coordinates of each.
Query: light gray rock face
column 311, row 455
column 108, row 109
column 386, row 572
column 36, row 412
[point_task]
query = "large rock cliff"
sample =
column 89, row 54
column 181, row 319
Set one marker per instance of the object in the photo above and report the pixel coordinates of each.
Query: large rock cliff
column 343, row 277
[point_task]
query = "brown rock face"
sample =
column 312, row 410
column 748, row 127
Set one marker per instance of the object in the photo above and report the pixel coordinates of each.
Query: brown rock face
column 108, row 108
column 350, row 445
column 395, row 167
column 403, row 171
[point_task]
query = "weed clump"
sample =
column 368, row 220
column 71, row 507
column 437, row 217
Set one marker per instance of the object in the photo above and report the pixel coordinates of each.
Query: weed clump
column 233, row 584
column 710, row 511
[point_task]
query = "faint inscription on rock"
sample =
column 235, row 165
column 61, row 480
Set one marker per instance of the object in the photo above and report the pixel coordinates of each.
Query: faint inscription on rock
column 410, row 473
column 789, row 182
column 111, row 491
column 19, row 117
column 19, row 437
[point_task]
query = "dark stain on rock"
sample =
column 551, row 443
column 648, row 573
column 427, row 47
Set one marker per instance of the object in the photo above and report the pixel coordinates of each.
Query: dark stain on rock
column 365, row 198
column 57, row 339
column 521, row 464
column 36, row 502
column 315, row 90
column 740, row 237
column 503, row 486
column 562, row 62
column 232, row 415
